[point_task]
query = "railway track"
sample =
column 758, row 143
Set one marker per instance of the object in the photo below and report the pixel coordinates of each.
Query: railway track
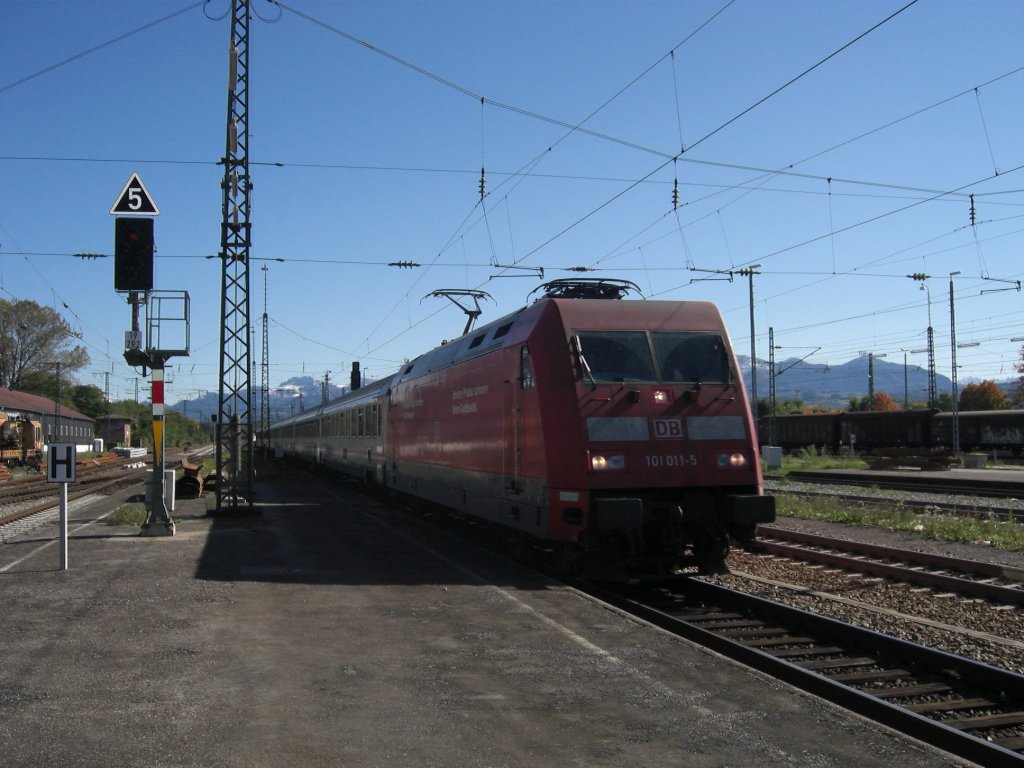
column 13, row 523
column 946, row 483
column 998, row 583
column 93, row 478
column 969, row 709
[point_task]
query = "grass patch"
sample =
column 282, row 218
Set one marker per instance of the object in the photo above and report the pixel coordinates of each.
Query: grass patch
column 810, row 459
column 128, row 514
column 1000, row 534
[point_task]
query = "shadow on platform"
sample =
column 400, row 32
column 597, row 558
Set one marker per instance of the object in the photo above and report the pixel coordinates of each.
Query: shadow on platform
column 320, row 532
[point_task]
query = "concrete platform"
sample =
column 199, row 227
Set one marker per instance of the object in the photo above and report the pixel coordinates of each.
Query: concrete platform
column 329, row 631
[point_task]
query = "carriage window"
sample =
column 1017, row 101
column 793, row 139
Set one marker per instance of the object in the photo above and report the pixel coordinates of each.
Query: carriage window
column 525, row 368
column 691, row 356
column 615, row 355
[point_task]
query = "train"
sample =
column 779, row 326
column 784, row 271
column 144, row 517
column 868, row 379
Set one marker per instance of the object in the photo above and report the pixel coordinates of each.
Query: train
column 926, row 430
column 614, row 436
column 21, row 440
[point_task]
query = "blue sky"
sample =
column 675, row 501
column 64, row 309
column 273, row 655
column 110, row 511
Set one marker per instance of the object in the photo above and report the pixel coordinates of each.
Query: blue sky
column 849, row 178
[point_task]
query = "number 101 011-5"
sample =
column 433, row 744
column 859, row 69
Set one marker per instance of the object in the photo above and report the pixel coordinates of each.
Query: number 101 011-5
column 671, row 460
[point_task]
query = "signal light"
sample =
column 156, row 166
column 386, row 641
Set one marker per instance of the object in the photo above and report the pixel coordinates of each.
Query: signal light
column 133, row 254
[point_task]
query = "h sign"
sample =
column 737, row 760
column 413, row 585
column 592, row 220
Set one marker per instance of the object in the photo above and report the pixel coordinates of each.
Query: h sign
column 60, row 463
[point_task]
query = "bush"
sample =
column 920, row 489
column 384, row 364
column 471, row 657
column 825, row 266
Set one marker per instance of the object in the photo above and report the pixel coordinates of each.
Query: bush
column 128, row 514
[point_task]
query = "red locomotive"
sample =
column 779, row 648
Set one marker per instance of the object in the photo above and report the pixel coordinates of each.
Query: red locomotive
column 614, row 435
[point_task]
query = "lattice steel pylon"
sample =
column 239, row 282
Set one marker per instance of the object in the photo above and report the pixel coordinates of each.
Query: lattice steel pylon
column 234, row 415
column 265, row 371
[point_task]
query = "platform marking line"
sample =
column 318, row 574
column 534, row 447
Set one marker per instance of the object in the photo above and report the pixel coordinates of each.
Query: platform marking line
column 37, row 550
column 601, row 653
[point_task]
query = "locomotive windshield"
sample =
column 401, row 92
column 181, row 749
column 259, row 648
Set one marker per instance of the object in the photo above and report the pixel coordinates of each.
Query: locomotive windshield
column 663, row 356
column 691, row 356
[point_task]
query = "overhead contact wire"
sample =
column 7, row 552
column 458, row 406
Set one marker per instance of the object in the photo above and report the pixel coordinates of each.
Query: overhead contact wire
column 101, row 46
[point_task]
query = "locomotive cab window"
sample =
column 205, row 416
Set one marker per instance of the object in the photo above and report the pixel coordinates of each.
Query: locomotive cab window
column 699, row 357
column 615, row 355
column 525, row 368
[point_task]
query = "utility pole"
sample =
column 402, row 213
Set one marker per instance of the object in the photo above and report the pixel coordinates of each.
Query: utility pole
column 952, row 352
column 906, row 389
column 234, row 451
column 56, row 409
column 771, row 386
column 932, row 393
column 749, row 273
column 265, row 372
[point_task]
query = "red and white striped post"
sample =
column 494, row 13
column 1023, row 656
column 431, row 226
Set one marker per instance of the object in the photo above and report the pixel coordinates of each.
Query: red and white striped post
column 158, row 519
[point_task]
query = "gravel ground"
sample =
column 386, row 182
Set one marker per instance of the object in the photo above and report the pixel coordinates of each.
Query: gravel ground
column 967, row 627
column 12, row 531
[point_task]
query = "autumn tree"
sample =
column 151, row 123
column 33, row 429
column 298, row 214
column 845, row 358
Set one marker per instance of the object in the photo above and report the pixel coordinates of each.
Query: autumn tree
column 986, row 396
column 882, row 401
column 33, row 339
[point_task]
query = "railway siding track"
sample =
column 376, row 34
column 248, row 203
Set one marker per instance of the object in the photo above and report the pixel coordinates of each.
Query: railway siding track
column 990, row 581
column 1004, row 508
column 95, row 476
column 965, row 707
column 993, row 485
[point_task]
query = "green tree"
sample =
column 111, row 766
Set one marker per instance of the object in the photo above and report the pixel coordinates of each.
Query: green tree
column 986, row 396
column 859, row 404
column 33, row 339
column 88, row 399
column 177, row 429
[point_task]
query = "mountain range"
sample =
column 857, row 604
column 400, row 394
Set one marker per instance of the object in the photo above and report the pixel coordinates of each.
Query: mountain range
column 812, row 383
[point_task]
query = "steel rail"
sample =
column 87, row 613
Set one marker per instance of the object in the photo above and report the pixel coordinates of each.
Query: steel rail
column 951, row 738
column 787, row 544
column 907, row 483
column 129, row 479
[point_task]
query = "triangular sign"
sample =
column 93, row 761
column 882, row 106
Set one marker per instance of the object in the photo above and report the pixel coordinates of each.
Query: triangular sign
column 135, row 199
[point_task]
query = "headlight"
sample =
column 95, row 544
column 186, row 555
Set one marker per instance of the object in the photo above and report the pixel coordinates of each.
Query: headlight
column 735, row 460
column 607, row 462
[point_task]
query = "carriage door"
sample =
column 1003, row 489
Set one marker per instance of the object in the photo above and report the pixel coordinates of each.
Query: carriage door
column 513, row 454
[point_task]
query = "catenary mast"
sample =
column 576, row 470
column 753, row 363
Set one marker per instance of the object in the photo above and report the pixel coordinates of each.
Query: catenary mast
column 234, row 414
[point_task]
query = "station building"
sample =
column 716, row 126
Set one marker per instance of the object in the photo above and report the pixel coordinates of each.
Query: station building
column 69, row 427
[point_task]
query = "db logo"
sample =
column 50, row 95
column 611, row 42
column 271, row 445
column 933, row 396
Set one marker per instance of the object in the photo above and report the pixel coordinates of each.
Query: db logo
column 668, row 429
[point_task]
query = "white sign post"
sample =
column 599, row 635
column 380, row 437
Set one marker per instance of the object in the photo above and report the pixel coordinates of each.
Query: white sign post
column 60, row 468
